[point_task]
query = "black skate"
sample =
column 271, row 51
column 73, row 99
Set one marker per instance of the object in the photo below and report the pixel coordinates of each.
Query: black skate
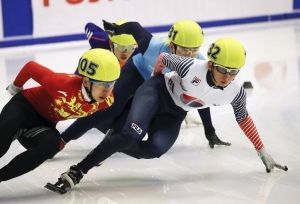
column 56, row 188
column 67, row 180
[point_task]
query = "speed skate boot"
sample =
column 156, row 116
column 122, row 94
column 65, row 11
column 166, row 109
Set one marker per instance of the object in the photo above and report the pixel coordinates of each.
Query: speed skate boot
column 67, row 180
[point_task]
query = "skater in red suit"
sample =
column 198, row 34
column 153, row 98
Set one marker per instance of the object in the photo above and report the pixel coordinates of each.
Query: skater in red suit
column 32, row 114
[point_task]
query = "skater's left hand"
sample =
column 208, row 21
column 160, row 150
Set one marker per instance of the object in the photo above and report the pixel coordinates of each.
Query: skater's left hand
column 189, row 119
column 110, row 28
column 269, row 162
column 13, row 90
column 159, row 67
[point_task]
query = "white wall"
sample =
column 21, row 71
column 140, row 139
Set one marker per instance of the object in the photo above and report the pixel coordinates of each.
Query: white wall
column 63, row 18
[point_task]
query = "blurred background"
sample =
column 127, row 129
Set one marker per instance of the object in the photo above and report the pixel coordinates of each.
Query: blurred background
column 45, row 21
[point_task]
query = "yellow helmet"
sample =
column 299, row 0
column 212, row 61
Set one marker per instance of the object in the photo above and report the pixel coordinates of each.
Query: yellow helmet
column 227, row 52
column 186, row 33
column 123, row 39
column 100, row 65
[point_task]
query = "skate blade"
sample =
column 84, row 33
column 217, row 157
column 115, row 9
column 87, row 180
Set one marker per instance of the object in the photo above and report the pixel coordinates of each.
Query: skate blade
column 55, row 189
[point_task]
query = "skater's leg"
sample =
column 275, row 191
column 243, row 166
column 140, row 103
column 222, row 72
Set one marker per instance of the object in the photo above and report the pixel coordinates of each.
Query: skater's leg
column 40, row 148
column 163, row 130
column 136, row 126
column 18, row 113
column 162, row 134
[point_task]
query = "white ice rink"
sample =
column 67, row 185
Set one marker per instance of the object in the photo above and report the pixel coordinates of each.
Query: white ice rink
column 190, row 172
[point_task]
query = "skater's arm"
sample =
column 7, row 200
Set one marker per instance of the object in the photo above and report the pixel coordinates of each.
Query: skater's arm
column 247, row 125
column 181, row 65
column 42, row 75
column 244, row 120
column 96, row 36
column 141, row 35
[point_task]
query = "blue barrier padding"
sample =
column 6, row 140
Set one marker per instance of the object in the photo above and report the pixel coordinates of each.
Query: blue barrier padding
column 285, row 16
column 296, row 4
column 16, row 14
column 234, row 21
column 34, row 41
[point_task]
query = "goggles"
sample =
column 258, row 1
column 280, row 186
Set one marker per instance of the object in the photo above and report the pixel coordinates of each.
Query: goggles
column 124, row 48
column 187, row 50
column 225, row 70
column 103, row 83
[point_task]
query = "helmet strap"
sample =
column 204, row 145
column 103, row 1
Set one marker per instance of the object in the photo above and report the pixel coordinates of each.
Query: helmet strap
column 212, row 75
column 111, row 45
column 89, row 93
column 175, row 48
column 112, row 49
column 213, row 78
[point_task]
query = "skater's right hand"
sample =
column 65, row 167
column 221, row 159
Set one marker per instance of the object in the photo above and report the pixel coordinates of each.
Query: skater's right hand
column 13, row 90
column 110, row 28
column 269, row 162
column 214, row 140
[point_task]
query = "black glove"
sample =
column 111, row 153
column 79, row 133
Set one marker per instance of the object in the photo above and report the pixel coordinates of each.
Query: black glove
column 213, row 139
column 110, row 28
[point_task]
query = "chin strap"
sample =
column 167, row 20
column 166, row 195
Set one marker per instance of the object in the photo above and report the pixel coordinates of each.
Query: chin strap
column 175, row 49
column 89, row 93
column 214, row 80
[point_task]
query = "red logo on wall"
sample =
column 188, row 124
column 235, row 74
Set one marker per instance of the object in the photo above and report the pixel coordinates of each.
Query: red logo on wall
column 46, row 3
